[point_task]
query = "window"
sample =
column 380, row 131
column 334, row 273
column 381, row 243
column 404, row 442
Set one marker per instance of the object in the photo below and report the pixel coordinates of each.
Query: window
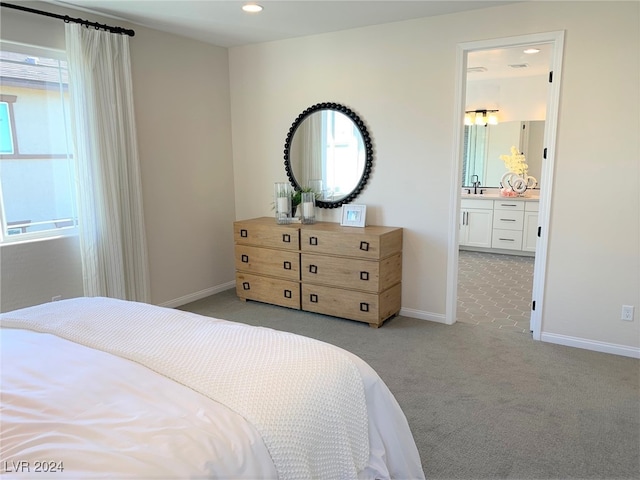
column 37, row 175
column 476, row 143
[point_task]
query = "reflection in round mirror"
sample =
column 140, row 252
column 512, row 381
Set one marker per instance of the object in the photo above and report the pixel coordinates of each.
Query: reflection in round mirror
column 328, row 151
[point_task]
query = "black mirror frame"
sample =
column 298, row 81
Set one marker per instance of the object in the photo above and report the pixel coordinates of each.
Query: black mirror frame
column 367, row 144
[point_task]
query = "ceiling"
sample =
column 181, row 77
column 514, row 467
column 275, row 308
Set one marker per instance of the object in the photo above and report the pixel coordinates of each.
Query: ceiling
column 509, row 62
column 223, row 23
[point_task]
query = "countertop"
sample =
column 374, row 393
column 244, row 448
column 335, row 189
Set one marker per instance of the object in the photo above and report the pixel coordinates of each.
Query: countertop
column 497, row 196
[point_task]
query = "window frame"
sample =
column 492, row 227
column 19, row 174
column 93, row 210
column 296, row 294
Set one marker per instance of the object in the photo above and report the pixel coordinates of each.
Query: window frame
column 59, row 231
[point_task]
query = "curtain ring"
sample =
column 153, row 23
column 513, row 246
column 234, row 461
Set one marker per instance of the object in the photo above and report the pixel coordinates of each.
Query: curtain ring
column 67, row 19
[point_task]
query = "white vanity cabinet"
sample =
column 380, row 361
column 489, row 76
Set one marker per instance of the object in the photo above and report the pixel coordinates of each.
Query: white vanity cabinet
column 476, row 222
column 501, row 225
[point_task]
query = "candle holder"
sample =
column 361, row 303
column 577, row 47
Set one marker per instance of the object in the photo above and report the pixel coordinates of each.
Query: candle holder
column 282, row 200
column 308, row 208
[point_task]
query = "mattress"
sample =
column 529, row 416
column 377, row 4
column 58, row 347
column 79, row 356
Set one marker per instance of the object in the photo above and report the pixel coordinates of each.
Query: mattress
column 103, row 388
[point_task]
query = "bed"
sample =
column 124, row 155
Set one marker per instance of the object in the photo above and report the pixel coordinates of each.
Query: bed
column 105, row 388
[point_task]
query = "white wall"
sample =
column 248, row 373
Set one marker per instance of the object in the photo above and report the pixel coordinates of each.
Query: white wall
column 400, row 78
column 181, row 92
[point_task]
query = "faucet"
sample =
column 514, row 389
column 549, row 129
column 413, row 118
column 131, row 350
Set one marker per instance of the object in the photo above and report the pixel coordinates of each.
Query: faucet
column 476, row 184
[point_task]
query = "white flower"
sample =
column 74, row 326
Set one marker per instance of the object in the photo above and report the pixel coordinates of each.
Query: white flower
column 516, row 162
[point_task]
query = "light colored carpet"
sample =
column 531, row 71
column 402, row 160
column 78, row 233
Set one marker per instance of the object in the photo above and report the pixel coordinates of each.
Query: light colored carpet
column 485, row 402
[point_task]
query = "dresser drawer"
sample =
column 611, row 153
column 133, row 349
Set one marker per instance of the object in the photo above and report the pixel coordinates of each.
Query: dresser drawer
column 267, row 289
column 508, row 239
column 508, row 219
column 352, row 273
column 266, row 233
column 266, row 261
column 364, row 307
column 371, row 242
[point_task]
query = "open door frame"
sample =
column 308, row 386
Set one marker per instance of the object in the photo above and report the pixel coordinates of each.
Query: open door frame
column 546, row 178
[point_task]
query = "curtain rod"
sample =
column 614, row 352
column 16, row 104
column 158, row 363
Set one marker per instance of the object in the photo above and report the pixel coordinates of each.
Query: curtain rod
column 68, row 19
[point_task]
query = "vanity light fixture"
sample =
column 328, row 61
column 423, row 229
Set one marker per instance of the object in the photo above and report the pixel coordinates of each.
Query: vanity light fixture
column 481, row 117
column 252, row 8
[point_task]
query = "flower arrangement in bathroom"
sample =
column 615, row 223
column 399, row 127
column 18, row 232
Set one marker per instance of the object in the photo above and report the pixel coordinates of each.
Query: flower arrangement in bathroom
column 516, row 162
column 517, row 179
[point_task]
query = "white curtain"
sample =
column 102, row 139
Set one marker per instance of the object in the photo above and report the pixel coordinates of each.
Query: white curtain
column 311, row 133
column 112, row 235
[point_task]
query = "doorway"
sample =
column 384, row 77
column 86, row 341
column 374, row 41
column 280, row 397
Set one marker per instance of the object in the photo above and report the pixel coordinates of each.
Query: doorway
column 554, row 42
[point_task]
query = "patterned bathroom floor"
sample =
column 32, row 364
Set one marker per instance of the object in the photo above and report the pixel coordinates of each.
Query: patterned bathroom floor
column 495, row 290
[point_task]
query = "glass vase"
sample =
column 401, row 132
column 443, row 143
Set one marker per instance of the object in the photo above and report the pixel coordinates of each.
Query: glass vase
column 282, row 200
column 308, row 207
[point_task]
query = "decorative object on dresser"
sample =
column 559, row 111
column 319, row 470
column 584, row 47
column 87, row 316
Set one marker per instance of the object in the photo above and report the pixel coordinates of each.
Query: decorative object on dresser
column 282, row 202
column 323, row 268
column 308, row 212
column 354, row 215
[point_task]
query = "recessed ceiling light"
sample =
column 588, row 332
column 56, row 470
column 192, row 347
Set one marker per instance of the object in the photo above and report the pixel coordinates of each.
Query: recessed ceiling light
column 531, row 50
column 252, row 8
column 519, row 65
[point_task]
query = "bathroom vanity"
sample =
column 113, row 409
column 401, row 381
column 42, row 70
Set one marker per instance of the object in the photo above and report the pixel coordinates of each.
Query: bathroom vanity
column 490, row 223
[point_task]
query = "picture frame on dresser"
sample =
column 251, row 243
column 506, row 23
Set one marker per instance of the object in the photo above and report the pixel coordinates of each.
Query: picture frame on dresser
column 353, row 215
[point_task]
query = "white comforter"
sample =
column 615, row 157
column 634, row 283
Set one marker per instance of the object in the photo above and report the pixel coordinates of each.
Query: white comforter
column 94, row 407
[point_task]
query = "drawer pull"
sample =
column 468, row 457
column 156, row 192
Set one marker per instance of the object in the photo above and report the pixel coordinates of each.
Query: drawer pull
column 364, row 307
column 313, row 298
column 507, row 219
column 508, row 205
column 244, row 233
column 313, row 240
column 313, row 269
column 506, row 239
column 245, row 258
column 364, row 275
column 364, row 246
column 287, row 294
column 286, row 238
column 246, row 286
column 287, row 265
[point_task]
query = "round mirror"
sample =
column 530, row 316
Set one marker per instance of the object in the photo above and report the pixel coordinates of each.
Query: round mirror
column 328, row 151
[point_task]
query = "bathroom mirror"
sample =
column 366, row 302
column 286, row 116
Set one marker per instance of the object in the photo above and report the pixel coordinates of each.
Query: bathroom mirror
column 328, row 149
column 483, row 146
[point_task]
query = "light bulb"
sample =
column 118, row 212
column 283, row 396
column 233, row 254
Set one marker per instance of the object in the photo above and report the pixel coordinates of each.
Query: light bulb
column 467, row 119
column 493, row 119
column 252, row 8
column 480, row 120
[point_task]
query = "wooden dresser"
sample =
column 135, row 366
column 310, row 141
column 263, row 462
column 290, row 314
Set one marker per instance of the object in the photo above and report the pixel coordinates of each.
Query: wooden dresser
column 347, row 272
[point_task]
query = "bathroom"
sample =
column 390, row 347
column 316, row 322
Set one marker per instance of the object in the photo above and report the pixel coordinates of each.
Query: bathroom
column 505, row 112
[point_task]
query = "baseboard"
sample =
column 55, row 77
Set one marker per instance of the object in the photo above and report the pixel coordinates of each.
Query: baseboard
column 594, row 345
column 192, row 297
column 422, row 315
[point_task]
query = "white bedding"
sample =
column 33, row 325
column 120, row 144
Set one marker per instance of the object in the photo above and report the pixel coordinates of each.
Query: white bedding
column 98, row 414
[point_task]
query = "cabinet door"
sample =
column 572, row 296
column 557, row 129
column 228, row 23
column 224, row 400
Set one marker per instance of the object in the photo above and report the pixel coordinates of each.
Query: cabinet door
column 530, row 233
column 476, row 228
